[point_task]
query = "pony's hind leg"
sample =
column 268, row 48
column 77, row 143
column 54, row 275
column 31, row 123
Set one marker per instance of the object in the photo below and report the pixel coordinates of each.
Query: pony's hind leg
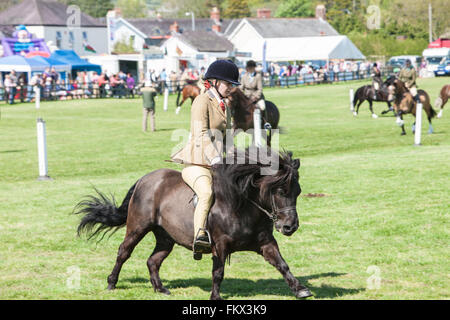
column 164, row 245
column 355, row 112
column 132, row 238
column 371, row 109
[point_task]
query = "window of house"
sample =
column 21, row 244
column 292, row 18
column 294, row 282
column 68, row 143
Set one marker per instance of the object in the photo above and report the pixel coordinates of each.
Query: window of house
column 71, row 39
column 85, row 36
column 58, row 39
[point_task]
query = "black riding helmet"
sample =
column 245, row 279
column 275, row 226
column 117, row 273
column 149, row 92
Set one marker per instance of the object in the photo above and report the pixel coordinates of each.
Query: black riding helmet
column 223, row 70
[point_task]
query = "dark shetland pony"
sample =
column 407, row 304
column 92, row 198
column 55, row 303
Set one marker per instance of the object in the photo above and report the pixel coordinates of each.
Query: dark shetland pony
column 444, row 95
column 243, row 108
column 404, row 103
column 248, row 204
column 367, row 93
column 189, row 91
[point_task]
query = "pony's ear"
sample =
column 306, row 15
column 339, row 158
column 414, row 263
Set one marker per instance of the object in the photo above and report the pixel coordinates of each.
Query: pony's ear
column 296, row 163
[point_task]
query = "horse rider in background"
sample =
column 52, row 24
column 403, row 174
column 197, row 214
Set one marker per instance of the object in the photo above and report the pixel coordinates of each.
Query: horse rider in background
column 376, row 80
column 408, row 76
column 251, row 86
column 201, row 81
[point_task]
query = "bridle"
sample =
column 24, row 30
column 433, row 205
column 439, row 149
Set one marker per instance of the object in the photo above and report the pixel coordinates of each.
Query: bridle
column 273, row 215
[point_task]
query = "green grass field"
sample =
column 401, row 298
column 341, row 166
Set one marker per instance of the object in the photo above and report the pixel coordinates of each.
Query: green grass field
column 381, row 231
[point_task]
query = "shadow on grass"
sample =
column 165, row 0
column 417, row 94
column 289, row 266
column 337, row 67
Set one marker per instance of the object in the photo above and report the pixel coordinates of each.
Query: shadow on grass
column 12, row 151
column 236, row 287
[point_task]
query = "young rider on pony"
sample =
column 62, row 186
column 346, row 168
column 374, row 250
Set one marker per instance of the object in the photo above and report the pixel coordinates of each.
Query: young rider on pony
column 209, row 116
column 376, row 79
column 251, row 86
column 408, row 76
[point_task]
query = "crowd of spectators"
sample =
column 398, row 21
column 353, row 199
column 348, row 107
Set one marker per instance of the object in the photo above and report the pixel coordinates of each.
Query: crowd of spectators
column 125, row 85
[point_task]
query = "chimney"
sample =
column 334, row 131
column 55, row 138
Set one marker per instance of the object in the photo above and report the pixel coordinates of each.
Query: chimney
column 321, row 12
column 215, row 14
column 263, row 13
column 216, row 28
column 115, row 13
column 174, row 28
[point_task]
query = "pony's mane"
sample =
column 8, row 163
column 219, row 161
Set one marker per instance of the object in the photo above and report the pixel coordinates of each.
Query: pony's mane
column 232, row 183
column 241, row 100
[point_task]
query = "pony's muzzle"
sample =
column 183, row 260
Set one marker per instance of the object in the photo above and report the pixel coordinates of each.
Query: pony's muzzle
column 288, row 230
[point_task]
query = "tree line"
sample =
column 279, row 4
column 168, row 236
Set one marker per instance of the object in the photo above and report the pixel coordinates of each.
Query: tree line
column 377, row 27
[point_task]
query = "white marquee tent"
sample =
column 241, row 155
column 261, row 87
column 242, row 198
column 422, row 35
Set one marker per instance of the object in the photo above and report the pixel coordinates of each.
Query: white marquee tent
column 310, row 48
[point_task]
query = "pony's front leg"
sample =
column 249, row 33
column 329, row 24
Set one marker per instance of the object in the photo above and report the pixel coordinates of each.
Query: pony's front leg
column 217, row 277
column 271, row 253
column 400, row 122
column 219, row 252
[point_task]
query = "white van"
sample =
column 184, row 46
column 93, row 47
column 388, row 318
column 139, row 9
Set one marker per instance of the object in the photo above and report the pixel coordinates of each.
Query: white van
column 434, row 56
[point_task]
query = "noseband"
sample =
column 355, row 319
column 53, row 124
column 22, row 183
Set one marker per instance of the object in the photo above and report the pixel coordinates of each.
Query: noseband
column 273, row 215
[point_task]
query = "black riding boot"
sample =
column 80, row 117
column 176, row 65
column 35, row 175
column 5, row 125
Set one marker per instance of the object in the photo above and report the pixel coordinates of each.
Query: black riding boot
column 416, row 98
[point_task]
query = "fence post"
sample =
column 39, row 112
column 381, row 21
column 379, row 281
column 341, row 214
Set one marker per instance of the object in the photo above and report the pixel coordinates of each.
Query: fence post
column 37, row 97
column 257, row 133
column 166, row 98
column 352, row 107
column 418, row 126
column 42, row 150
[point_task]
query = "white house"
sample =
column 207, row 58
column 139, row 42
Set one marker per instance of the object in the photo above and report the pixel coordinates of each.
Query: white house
column 63, row 27
column 195, row 49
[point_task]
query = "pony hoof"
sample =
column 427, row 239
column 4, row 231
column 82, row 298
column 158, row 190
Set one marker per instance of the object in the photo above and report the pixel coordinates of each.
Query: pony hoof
column 355, row 113
column 164, row 291
column 374, row 116
column 430, row 131
column 403, row 134
column 304, row 293
column 111, row 287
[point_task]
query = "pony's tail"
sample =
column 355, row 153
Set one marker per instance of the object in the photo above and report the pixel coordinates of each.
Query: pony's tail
column 355, row 98
column 102, row 213
column 432, row 112
column 178, row 96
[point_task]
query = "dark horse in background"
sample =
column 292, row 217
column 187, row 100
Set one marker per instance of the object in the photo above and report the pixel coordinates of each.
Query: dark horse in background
column 248, row 204
column 368, row 93
column 243, row 109
column 404, row 103
column 188, row 91
column 444, row 95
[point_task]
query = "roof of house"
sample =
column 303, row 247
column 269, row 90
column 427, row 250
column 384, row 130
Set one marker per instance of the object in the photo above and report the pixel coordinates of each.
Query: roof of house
column 160, row 27
column 205, row 41
column 292, row 27
column 6, row 31
column 43, row 13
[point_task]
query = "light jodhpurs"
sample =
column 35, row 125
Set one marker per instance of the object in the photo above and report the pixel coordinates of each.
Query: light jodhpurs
column 261, row 104
column 200, row 180
column 145, row 114
column 413, row 90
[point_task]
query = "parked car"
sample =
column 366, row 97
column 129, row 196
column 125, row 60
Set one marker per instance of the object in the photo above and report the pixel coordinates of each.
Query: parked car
column 443, row 69
column 398, row 62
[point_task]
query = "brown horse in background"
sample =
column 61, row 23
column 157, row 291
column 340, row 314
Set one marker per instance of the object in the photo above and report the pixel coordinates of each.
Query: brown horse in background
column 243, row 108
column 404, row 103
column 444, row 95
column 189, row 91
